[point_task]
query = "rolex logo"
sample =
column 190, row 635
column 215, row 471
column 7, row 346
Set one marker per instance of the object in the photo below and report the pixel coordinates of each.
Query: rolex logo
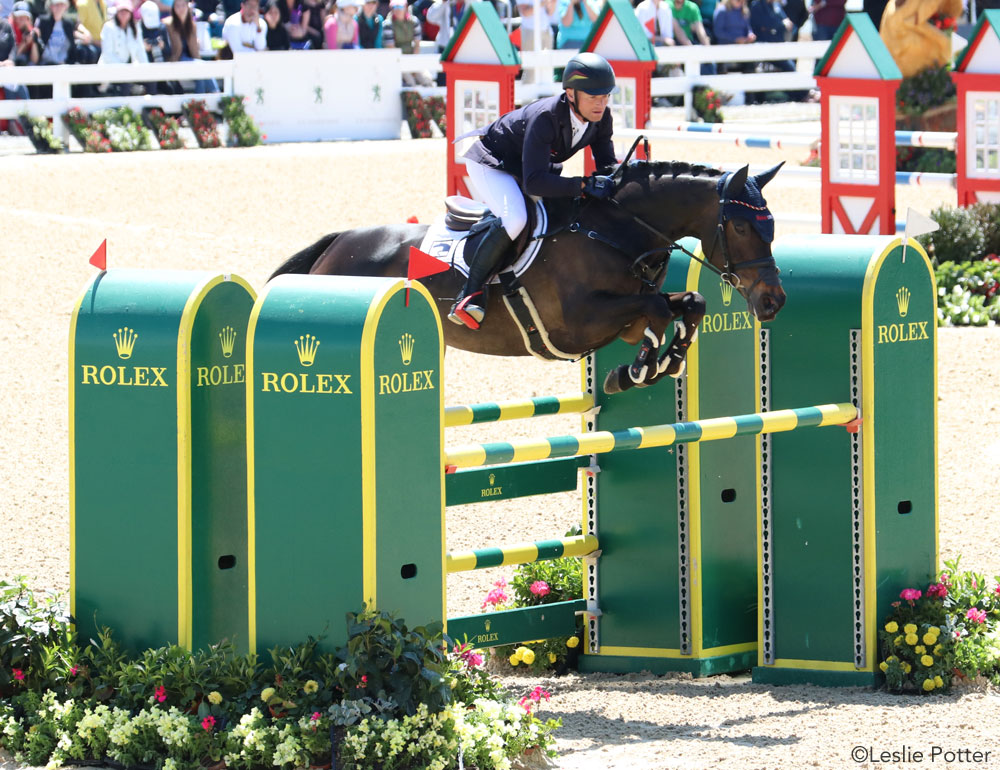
column 125, row 341
column 903, row 301
column 493, row 479
column 406, row 348
column 228, row 339
column 487, row 625
column 727, row 293
column 306, row 346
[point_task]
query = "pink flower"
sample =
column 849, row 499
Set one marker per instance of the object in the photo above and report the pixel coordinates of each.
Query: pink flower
column 979, row 616
column 540, row 588
column 18, row 674
column 997, row 589
column 161, row 693
column 315, row 716
column 494, row 597
column 474, row 660
column 208, row 723
column 937, row 589
column 538, row 693
column 526, row 703
column 911, row 594
column 72, row 671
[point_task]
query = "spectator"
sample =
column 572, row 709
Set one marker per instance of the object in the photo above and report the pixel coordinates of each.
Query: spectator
column 688, row 29
column 445, row 15
column 92, row 14
column 59, row 39
column 183, row 36
column 796, row 12
column 731, row 24
column 295, row 18
column 121, row 43
column 657, row 20
column 317, row 15
column 245, row 31
column 154, row 35
column 575, row 19
column 340, row 29
column 277, row 35
column 8, row 58
column 529, row 23
column 771, row 25
column 707, row 8
column 25, row 49
column 827, row 15
column 402, row 30
column 370, row 25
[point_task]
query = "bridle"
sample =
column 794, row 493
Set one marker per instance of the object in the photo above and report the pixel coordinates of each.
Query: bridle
column 729, row 272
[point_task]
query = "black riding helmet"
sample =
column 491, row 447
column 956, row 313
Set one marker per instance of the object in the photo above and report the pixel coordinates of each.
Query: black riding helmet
column 590, row 73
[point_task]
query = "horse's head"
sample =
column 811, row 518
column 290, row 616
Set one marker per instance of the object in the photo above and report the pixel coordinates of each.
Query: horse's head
column 740, row 243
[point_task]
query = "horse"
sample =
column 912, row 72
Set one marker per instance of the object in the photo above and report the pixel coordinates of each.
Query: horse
column 597, row 276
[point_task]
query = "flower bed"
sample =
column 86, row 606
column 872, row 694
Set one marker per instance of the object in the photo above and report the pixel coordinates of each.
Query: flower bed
column 202, row 123
column 165, row 127
column 391, row 697
column 243, row 131
column 39, row 132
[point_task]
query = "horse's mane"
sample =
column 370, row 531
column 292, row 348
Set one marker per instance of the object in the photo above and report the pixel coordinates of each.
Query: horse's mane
column 639, row 169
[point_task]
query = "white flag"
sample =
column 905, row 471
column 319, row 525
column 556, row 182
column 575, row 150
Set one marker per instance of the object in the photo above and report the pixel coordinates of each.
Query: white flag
column 917, row 224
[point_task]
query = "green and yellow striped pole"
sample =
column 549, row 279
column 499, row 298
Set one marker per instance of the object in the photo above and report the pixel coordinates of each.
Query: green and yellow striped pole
column 521, row 553
column 473, row 414
column 598, row 442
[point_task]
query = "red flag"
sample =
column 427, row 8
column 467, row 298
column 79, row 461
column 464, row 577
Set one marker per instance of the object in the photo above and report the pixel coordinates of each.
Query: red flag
column 651, row 25
column 515, row 38
column 100, row 257
column 412, row 219
column 422, row 264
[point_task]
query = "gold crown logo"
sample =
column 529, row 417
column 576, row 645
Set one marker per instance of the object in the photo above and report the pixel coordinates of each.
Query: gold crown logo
column 125, row 341
column 487, row 624
column 727, row 293
column 903, row 301
column 493, row 478
column 406, row 348
column 306, row 346
column 228, row 339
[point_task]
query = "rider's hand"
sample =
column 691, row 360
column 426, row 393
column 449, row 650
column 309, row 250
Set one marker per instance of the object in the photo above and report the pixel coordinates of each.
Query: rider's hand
column 599, row 186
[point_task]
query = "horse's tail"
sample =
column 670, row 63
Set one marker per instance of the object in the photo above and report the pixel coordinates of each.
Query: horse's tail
column 305, row 259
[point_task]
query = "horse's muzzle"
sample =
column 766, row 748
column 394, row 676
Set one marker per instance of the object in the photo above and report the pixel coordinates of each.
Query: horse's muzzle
column 768, row 302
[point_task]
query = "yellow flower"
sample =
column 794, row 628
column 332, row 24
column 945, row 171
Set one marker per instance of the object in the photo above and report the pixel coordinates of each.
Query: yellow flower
column 930, row 638
column 927, row 660
column 514, row 659
column 920, row 649
column 215, row 698
column 909, row 628
column 572, row 642
column 934, row 630
column 912, row 639
column 884, row 666
column 892, row 626
column 527, row 655
column 552, row 657
column 266, row 694
column 311, row 686
column 938, row 681
column 898, row 641
column 928, row 685
column 907, row 668
column 937, row 649
column 891, row 658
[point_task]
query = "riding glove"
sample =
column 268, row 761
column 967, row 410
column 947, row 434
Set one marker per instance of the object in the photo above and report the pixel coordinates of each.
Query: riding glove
column 599, row 186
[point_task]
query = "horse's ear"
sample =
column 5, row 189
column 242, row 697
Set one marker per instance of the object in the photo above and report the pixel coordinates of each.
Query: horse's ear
column 766, row 176
column 736, row 183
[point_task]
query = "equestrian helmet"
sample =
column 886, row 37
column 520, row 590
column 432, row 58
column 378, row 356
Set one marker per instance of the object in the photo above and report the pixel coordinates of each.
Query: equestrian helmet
column 590, row 73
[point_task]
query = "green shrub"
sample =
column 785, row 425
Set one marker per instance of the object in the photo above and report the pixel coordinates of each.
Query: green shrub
column 959, row 238
column 967, row 292
column 988, row 215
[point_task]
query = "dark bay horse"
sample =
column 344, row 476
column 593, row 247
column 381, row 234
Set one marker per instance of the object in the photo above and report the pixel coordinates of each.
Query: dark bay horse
column 588, row 282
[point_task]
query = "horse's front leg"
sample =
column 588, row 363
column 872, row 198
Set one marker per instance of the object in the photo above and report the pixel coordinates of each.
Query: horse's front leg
column 690, row 306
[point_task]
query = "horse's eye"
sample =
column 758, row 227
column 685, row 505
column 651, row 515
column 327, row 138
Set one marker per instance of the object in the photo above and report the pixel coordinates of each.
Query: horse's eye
column 740, row 226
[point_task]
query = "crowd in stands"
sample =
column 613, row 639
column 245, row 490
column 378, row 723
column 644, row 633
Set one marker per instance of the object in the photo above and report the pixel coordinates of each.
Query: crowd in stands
column 45, row 32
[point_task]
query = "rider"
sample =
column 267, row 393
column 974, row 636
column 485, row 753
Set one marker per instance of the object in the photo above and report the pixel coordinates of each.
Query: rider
column 525, row 149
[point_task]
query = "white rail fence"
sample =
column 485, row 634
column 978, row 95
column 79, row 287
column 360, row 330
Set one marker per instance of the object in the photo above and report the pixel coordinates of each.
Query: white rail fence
column 248, row 72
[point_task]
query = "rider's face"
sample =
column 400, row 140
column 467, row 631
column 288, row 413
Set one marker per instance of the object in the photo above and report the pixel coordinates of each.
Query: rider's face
column 589, row 106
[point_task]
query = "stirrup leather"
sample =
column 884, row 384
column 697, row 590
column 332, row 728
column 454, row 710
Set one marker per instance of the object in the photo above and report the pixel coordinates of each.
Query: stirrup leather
column 466, row 314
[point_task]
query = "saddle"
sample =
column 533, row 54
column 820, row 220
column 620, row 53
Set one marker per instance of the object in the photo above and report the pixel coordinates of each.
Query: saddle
column 466, row 215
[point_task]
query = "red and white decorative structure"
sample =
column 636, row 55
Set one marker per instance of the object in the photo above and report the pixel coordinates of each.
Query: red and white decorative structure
column 480, row 64
column 977, row 79
column 858, row 80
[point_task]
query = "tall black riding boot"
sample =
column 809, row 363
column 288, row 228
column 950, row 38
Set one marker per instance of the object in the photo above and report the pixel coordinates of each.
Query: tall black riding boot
column 469, row 308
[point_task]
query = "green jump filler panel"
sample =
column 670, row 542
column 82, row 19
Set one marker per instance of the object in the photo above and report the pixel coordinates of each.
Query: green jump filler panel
column 848, row 519
column 158, row 540
column 676, row 582
column 344, row 403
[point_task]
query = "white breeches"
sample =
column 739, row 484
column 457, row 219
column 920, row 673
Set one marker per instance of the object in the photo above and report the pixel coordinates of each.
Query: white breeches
column 501, row 192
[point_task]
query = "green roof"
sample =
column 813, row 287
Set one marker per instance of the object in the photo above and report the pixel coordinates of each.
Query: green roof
column 987, row 20
column 861, row 25
column 622, row 11
column 496, row 33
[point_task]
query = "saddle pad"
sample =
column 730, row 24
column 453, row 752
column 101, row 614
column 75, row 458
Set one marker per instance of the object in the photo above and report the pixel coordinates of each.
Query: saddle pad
column 449, row 245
